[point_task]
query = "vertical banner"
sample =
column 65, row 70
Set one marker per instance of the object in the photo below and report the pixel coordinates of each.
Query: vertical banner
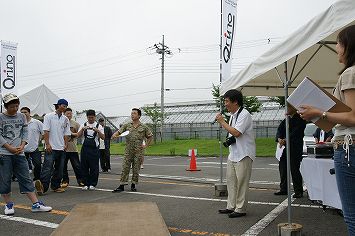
column 8, row 66
column 229, row 18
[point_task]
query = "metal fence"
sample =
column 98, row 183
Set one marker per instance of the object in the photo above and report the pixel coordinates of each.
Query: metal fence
column 211, row 131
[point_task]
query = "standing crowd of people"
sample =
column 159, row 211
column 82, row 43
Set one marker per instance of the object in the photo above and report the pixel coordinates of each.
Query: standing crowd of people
column 20, row 136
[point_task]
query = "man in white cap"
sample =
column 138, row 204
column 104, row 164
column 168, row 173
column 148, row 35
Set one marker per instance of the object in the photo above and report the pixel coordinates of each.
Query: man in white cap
column 56, row 127
column 13, row 138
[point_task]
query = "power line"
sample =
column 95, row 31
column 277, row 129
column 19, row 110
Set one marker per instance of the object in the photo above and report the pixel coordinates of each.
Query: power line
column 107, row 84
column 184, row 89
column 85, row 65
column 107, row 98
column 110, row 78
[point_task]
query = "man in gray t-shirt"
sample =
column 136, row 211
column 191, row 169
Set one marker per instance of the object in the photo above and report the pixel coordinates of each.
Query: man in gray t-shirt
column 13, row 138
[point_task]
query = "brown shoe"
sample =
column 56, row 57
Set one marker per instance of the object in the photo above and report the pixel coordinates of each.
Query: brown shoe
column 39, row 187
column 64, row 185
column 59, row 190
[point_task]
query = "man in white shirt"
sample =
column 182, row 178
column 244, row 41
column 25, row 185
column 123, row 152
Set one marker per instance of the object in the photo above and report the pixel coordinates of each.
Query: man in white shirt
column 71, row 153
column 241, row 143
column 35, row 132
column 56, row 129
column 90, row 154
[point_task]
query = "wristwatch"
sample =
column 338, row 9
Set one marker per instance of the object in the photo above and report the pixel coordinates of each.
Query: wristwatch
column 324, row 115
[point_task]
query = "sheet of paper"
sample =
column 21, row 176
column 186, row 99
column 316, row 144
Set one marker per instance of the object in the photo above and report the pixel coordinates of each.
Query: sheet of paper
column 279, row 151
column 307, row 93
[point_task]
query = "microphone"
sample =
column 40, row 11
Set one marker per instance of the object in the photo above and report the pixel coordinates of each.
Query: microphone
column 214, row 122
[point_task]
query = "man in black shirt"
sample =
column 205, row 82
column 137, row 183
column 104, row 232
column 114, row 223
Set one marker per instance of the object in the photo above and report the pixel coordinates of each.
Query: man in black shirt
column 297, row 126
column 321, row 136
column 105, row 155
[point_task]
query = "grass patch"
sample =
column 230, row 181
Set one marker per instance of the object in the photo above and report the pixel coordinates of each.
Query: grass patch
column 265, row 147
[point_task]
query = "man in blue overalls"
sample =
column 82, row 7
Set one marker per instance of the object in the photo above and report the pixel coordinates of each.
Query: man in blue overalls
column 90, row 154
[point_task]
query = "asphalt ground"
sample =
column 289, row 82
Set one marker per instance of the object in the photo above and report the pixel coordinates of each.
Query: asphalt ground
column 185, row 199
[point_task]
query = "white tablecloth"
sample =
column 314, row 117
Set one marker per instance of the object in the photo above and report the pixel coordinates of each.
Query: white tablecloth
column 321, row 185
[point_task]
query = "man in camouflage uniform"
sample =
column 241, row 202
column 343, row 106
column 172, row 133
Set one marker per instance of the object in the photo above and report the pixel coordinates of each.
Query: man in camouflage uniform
column 134, row 149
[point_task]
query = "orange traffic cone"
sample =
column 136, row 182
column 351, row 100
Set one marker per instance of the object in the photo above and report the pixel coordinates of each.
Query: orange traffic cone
column 193, row 162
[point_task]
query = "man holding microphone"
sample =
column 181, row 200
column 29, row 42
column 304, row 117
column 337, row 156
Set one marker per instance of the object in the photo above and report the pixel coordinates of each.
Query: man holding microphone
column 241, row 143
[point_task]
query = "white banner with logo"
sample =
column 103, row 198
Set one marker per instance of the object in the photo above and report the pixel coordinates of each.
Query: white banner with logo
column 8, row 68
column 229, row 18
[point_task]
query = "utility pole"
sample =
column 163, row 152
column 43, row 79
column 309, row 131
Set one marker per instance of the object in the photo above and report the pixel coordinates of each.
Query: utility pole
column 162, row 49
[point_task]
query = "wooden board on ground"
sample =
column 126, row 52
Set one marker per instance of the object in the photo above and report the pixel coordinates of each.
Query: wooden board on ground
column 123, row 218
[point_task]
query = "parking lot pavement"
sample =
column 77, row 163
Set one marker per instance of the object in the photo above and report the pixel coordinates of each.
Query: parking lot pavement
column 188, row 207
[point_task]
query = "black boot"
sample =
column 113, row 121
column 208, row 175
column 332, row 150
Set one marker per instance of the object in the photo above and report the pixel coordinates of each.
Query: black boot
column 119, row 189
column 133, row 188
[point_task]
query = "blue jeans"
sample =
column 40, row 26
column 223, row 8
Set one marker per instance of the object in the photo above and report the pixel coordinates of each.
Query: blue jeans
column 17, row 165
column 52, row 169
column 345, row 176
column 75, row 163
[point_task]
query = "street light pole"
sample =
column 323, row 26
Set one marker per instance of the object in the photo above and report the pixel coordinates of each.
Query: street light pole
column 162, row 91
column 162, row 49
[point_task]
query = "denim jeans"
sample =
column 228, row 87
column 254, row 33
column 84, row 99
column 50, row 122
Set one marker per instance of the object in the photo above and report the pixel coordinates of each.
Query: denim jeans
column 17, row 165
column 52, row 170
column 37, row 163
column 345, row 176
column 29, row 160
column 90, row 165
column 75, row 163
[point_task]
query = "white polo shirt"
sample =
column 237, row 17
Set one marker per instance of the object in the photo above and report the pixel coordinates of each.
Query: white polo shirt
column 58, row 127
column 35, row 130
column 245, row 143
column 90, row 132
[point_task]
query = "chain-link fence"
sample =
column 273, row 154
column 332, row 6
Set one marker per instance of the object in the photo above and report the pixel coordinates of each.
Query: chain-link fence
column 211, row 131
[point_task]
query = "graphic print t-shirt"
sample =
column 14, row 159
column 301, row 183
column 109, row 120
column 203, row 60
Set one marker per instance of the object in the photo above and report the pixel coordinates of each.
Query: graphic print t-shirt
column 13, row 130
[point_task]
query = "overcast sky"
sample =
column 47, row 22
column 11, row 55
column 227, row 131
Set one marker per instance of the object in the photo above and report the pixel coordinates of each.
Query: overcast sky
column 97, row 54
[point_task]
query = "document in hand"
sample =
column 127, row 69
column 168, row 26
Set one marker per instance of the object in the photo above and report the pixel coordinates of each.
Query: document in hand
column 279, row 151
column 310, row 93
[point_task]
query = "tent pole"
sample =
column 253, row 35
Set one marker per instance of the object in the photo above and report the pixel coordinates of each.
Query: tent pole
column 220, row 188
column 286, row 84
column 221, row 100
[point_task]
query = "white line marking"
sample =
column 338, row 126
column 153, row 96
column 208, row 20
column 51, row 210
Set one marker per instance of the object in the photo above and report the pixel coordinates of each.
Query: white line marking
column 179, row 178
column 197, row 198
column 264, row 168
column 201, row 179
column 264, row 222
column 159, row 158
column 30, row 221
column 200, row 166
column 213, row 163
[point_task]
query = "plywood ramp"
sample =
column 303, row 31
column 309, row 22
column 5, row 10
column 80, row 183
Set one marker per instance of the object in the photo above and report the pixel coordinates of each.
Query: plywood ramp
column 123, row 218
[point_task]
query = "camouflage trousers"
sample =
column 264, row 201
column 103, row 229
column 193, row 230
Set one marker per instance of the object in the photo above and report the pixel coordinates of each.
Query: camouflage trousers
column 134, row 159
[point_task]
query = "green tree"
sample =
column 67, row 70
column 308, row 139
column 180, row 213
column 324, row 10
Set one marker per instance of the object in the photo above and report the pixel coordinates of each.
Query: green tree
column 280, row 100
column 252, row 104
column 155, row 115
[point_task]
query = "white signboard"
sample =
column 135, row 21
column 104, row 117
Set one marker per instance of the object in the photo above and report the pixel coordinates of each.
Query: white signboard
column 229, row 18
column 8, row 67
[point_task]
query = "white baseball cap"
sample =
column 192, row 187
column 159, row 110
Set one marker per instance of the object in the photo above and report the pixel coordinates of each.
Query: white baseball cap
column 9, row 97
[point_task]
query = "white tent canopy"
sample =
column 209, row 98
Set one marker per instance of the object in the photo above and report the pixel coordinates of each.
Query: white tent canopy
column 40, row 100
column 309, row 51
